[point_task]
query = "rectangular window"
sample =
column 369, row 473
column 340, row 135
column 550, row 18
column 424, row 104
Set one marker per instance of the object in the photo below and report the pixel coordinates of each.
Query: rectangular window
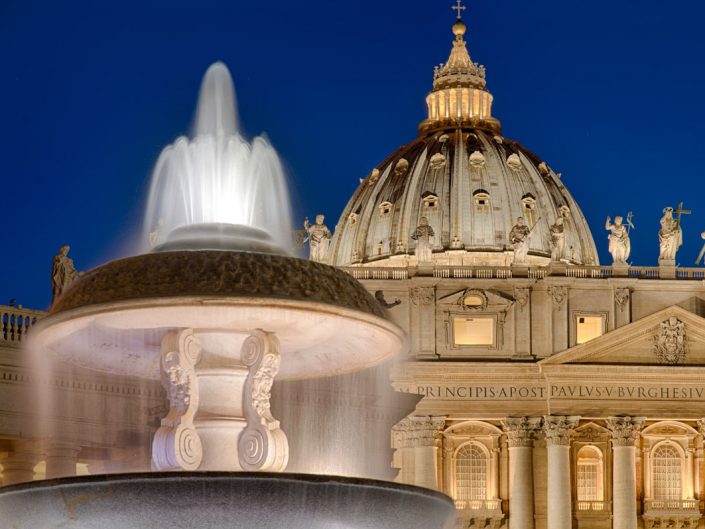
column 588, row 327
column 473, row 330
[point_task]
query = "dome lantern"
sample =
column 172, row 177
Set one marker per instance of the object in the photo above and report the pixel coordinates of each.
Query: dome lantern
column 459, row 95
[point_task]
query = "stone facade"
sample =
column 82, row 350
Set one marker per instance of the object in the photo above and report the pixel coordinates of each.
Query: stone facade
column 603, row 433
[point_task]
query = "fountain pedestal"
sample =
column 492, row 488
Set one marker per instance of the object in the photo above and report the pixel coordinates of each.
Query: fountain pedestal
column 219, row 385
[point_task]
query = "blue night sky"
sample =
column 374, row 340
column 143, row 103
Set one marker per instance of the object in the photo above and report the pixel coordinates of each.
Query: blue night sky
column 610, row 93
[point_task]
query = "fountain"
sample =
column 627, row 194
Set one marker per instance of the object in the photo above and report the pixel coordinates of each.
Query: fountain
column 216, row 310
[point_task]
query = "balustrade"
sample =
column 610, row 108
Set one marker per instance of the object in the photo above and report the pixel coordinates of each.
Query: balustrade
column 505, row 272
column 591, row 506
column 670, row 505
column 477, row 505
column 15, row 323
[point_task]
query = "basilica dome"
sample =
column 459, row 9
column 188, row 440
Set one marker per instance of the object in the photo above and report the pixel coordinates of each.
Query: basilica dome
column 468, row 180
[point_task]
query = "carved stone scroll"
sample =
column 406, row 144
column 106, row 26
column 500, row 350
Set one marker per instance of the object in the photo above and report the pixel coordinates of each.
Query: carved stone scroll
column 176, row 444
column 263, row 444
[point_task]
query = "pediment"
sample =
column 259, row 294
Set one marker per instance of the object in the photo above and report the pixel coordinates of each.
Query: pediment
column 477, row 300
column 592, row 432
column 672, row 336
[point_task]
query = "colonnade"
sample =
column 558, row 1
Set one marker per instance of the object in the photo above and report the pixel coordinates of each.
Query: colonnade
column 521, row 433
column 417, row 441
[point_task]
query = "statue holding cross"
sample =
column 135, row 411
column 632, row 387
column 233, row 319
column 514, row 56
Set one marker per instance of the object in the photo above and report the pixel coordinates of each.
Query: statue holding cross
column 670, row 235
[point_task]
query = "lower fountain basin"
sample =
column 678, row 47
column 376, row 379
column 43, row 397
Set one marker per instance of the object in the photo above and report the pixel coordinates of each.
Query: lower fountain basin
column 222, row 500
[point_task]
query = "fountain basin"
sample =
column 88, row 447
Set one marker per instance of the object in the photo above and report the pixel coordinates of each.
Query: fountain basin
column 219, row 236
column 221, row 500
column 114, row 318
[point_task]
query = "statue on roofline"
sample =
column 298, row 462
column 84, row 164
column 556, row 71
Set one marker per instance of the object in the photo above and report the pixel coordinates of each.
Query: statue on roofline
column 423, row 235
column 520, row 237
column 620, row 246
column 557, row 230
column 63, row 273
column 318, row 236
column 670, row 236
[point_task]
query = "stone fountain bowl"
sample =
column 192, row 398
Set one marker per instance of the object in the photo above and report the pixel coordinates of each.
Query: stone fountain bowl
column 114, row 317
column 221, row 500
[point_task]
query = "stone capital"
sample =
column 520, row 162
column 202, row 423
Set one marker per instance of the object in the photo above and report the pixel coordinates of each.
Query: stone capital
column 625, row 430
column 521, row 431
column 422, row 296
column 559, row 429
column 418, row 432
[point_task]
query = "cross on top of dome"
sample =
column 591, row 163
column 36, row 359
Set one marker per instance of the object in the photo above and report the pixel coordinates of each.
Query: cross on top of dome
column 459, row 70
column 459, row 7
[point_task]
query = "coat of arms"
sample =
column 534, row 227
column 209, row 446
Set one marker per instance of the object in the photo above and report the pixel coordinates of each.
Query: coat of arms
column 670, row 343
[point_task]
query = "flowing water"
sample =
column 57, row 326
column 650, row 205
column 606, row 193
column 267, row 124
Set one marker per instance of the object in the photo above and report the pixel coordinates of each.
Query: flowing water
column 217, row 177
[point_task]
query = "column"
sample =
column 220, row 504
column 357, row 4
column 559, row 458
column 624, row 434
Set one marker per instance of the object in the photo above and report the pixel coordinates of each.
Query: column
column 625, row 432
column 558, row 430
column 19, row 465
column 520, row 439
column 417, row 442
column 61, row 458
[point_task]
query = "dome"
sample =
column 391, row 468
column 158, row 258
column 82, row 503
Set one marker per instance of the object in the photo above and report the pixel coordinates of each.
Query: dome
column 467, row 180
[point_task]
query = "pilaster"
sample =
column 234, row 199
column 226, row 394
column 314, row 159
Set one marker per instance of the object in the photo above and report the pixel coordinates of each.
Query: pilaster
column 417, row 441
column 423, row 321
column 559, row 300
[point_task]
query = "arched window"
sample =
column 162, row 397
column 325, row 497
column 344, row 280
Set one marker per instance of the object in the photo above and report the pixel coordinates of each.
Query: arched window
column 589, row 474
column 666, row 466
column 471, row 467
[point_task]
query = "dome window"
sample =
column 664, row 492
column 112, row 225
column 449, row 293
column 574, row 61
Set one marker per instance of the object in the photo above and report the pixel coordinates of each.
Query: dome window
column 385, row 208
column 401, row 167
column 564, row 211
column 528, row 207
column 430, row 200
column 481, row 199
column 352, row 218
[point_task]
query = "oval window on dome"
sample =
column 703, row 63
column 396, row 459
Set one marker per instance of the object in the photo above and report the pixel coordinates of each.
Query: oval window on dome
column 481, row 200
column 430, row 200
column 385, row 208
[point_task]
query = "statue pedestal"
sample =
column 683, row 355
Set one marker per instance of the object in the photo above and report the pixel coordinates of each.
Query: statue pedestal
column 620, row 270
column 667, row 268
column 520, row 270
column 425, row 269
column 557, row 268
column 218, row 384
